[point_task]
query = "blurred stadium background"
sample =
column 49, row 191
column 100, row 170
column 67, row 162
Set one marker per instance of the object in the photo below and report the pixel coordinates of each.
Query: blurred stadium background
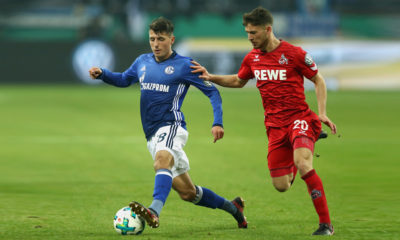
column 70, row 151
column 355, row 42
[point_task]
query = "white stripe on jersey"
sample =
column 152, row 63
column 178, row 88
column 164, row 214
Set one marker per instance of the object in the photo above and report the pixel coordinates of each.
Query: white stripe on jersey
column 175, row 104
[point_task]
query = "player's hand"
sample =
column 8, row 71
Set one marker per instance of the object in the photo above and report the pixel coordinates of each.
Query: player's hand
column 200, row 69
column 95, row 72
column 328, row 122
column 217, row 132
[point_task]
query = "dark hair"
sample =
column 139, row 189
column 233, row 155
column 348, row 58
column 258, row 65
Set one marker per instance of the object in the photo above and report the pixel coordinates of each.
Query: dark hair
column 162, row 25
column 258, row 16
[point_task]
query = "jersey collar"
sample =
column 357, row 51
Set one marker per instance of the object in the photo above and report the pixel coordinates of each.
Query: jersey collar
column 170, row 57
column 264, row 52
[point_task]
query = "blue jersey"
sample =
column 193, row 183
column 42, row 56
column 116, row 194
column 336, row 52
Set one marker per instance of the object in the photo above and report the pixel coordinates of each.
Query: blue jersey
column 163, row 86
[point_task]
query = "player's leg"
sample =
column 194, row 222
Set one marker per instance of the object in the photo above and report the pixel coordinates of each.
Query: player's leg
column 184, row 186
column 160, row 147
column 304, row 133
column 163, row 180
column 201, row 196
column 282, row 169
column 303, row 157
column 280, row 158
column 282, row 183
column 162, row 187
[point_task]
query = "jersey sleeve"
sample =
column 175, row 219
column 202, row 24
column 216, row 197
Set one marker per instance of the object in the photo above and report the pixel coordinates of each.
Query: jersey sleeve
column 123, row 79
column 210, row 91
column 305, row 64
column 245, row 72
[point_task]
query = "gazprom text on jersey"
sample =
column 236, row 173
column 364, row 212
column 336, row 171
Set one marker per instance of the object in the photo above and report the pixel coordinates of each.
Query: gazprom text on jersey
column 155, row 87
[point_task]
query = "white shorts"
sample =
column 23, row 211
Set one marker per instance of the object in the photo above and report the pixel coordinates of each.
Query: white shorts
column 172, row 139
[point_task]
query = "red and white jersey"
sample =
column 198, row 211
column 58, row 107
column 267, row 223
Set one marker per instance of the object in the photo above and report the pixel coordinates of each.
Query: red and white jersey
column 279, row 76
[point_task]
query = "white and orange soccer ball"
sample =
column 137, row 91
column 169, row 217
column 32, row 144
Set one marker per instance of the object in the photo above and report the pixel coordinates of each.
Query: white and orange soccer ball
column 127, row 222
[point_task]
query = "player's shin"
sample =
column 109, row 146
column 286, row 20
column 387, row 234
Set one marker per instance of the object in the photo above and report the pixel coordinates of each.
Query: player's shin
column 316, row 190
column 207, row 198
column 162, row 187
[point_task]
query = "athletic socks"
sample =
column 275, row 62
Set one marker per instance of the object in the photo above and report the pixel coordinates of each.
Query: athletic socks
column 207, row 198
column 204, row 197
column 316, row 190
column 229, row 207
column 162, row 187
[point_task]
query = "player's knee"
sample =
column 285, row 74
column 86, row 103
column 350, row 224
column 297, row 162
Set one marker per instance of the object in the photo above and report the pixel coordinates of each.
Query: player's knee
column 282, row 186
column 160, row 165
column 304, row 166
column 188, row 195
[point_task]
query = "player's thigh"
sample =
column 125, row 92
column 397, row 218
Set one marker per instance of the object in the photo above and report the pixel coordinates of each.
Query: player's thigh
column 280, row 161
column 303, row 158
column 163, row 159
column 171, row 139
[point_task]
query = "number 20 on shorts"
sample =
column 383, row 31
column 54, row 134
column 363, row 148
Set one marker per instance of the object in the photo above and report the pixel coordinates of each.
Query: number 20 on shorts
column 302, row 124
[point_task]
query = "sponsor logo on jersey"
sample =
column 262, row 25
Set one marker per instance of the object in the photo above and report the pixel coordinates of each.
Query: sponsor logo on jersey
column 256, row 58
column 154, row 87
column 270, row 74
column 169, row 70
column 283, row 59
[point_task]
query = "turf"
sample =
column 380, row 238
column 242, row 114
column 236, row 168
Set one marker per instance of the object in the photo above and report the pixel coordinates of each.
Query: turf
column 71, row 156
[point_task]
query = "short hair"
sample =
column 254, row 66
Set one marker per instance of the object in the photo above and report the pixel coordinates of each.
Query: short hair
column 162, row 25
column 258, row 16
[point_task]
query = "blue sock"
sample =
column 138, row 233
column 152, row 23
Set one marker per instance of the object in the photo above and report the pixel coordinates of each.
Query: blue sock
column 207, row 198
column 162, row 187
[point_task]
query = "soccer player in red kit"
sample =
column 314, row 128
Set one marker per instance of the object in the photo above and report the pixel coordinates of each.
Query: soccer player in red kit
column 292, row 128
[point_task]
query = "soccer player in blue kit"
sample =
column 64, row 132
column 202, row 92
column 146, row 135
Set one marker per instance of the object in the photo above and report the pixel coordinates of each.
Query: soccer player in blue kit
column 164, row 77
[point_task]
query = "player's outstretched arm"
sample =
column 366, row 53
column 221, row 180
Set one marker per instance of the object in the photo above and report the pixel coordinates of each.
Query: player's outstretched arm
column 113, row 78
column 232, row 81
column 321, row 93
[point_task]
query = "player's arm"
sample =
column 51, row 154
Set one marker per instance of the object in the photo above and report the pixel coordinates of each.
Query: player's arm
column 321, row 93
column 113, row 78
column 117, row 79
column 231, row 81
column 212, row 93
column 215, row 98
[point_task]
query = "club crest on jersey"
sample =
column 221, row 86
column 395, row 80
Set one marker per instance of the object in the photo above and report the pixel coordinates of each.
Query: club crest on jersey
column 308, row 60
column 283, row 60
column 169, row 70
column 256, row 58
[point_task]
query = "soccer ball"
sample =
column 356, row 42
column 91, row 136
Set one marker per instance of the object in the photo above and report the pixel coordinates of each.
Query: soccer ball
column 127, row 222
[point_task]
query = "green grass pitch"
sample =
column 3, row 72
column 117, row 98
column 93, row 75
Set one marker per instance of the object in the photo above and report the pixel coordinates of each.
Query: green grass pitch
column 71, row 156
